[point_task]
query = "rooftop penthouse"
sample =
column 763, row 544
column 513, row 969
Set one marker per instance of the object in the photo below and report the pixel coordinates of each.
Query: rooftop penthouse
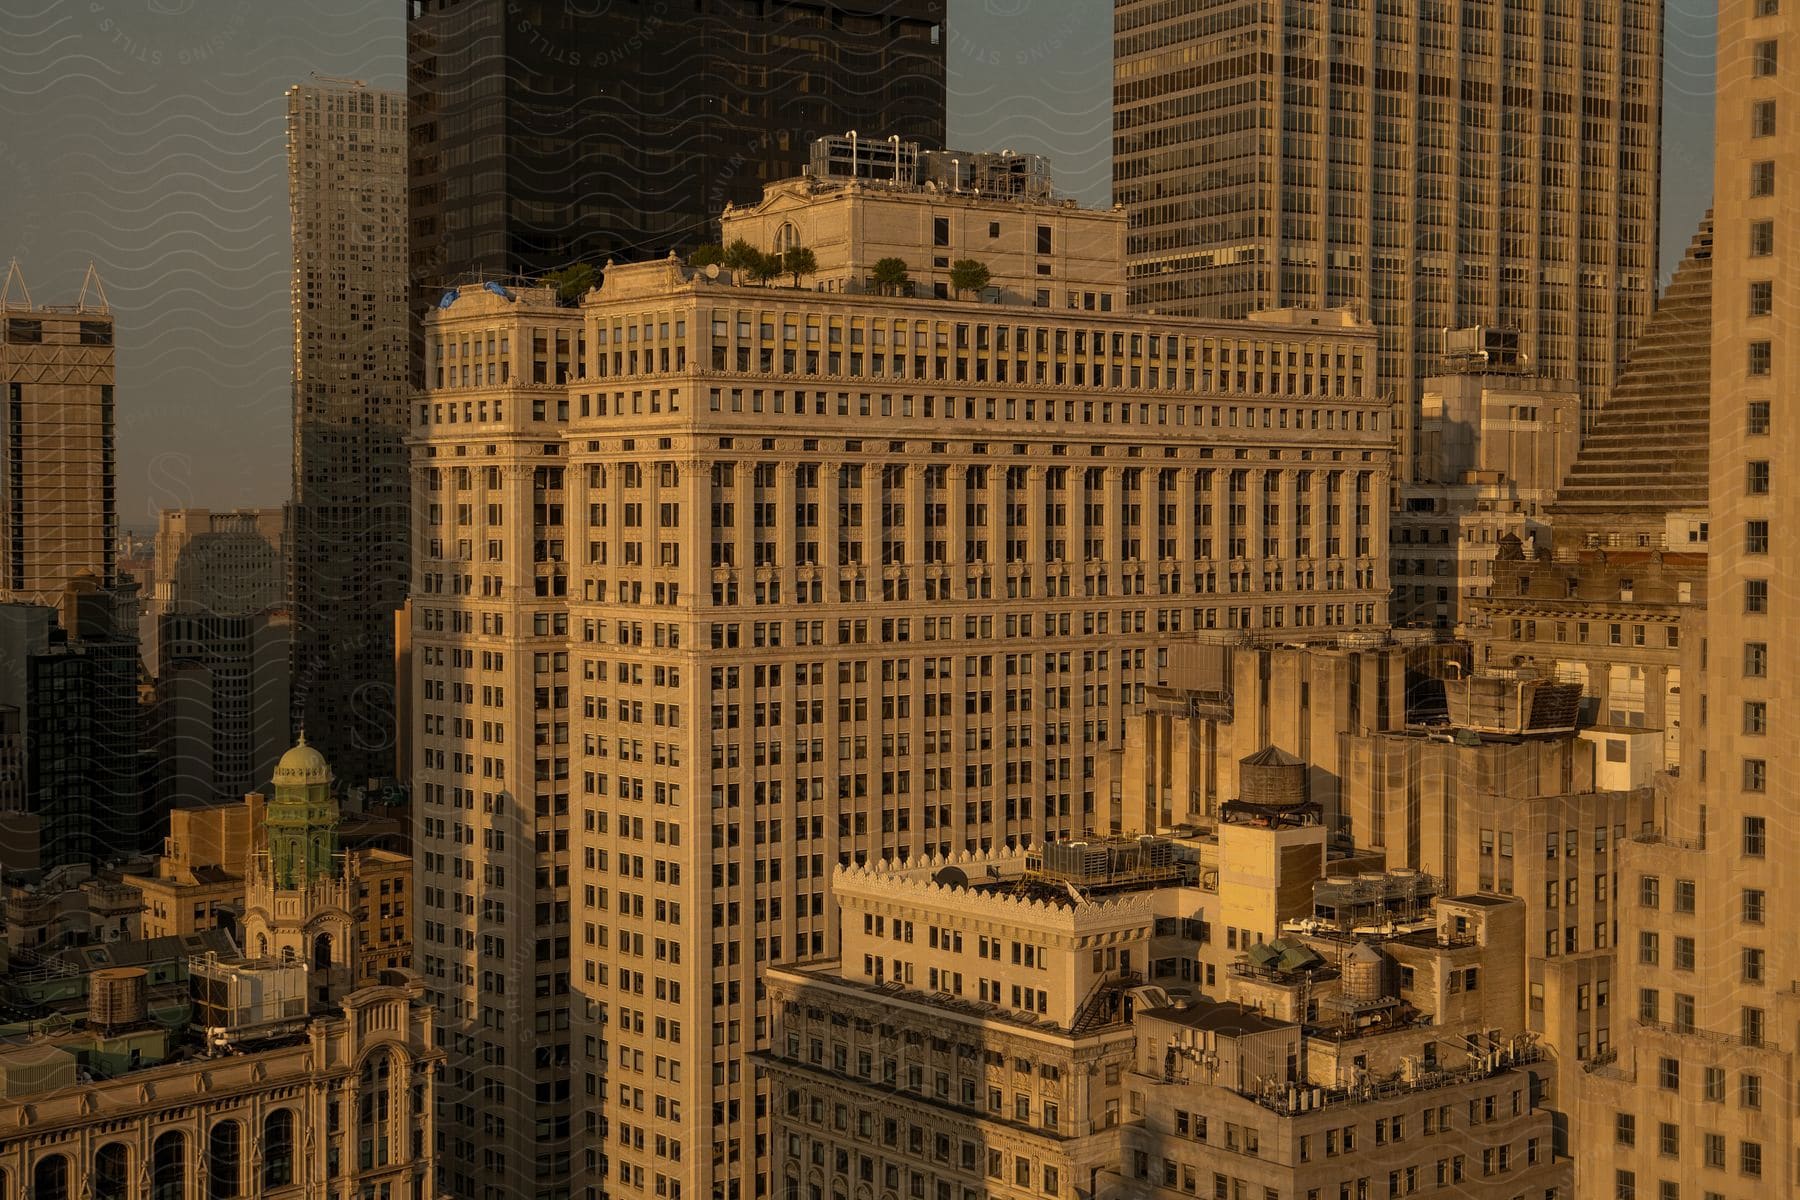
column 862, row 202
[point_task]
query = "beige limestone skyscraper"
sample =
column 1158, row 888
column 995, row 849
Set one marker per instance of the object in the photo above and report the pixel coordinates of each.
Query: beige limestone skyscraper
column 719, row 586
column 1432, row 166
column 347, row 192
column 1702, row 1100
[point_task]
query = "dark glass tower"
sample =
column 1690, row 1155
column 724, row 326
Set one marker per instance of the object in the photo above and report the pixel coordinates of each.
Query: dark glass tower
column 548, row 132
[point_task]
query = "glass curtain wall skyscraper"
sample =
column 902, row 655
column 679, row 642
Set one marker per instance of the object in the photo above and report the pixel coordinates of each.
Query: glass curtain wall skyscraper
column 1432, row 166
column 348, row 565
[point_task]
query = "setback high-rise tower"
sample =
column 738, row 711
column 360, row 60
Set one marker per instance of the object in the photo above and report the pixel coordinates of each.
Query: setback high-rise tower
column 347, row 191
column 1434, row 167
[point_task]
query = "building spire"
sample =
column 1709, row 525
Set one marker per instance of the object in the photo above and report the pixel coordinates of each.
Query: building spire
column 13, row 273
column 90, row 283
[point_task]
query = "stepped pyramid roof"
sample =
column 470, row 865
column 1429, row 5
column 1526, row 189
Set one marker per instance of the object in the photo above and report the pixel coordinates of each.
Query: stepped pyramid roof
column 1646, row 453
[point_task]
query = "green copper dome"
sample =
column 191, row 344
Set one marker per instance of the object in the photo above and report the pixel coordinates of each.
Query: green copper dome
column 301, row 819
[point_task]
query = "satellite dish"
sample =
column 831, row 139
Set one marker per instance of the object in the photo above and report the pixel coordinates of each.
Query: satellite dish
column 447, row 299
column 712, row 270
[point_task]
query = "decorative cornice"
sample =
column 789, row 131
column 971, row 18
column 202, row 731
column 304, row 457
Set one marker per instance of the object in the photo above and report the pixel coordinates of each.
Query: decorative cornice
column 911, row 884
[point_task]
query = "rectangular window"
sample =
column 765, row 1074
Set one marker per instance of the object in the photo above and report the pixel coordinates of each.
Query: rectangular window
column 1761, row 359
column 1762, row 179
column 1684, row 953
column 1762, row 119
column 1756, row 718
column 1753, row 907
column 1756, row 418
column 1762, row 239
column 1756, row 837
column 1756, row 595
column 1765, row 59
column 1762, row 297
column 1756, row 477
column 1756, row 537
column 940, row 231
column 1043, row 239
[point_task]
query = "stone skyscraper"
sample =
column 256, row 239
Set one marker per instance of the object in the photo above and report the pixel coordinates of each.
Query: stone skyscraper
column 1702, row 1100
column 347, row 191
column 1433, row 167
column 718, row 586
column 59, row 514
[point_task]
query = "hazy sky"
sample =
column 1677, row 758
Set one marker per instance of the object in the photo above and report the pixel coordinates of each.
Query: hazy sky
column 147, row 135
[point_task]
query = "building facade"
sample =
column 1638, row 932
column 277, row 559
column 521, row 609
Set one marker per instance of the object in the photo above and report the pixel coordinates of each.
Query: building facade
column 876, row 572
column 1017, row 1025
column 1434, row 169
column 672, row 120
column 1701, row 1097
column 1613, row 597
column 198, row 879
column 348, row 557
column 58, row 463
column 327, row 1102
column 220, row 717
column 223, row 562
column 70, row 673
column 1494, row 442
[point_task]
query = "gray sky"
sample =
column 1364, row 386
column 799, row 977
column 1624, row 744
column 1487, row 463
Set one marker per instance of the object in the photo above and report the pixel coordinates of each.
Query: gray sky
column 147, row 135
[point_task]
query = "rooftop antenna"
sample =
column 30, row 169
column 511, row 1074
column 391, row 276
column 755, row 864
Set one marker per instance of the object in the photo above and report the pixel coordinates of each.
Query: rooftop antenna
column 91, row 282
column 6, row 291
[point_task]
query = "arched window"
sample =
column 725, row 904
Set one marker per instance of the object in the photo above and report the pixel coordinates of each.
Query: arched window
column 322, row 952
column 50, row 1178
column 262, row 945
column 786, row 238
column 112, row 1172
column 278, row 1148
column 224, row 1156
column 373, row 1112
column 168, row 1157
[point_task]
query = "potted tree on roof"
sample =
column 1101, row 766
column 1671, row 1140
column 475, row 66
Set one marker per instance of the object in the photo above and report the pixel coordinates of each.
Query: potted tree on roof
column 968, row 275
column 889, row 275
